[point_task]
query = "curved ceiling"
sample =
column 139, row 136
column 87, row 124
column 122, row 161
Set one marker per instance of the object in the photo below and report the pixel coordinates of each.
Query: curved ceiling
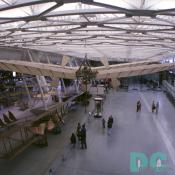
column 121, row 30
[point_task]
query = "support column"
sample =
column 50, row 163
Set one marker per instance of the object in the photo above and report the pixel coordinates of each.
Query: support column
column 77, row 86
column 86, row 97
column 59, row 91
column 48, row 60
column 38, row 81
column 115, row 83
column 44, row 83
column 76, row 63
column 27, row 90
column 65, row 91
column 41, row 91
column 70, row 64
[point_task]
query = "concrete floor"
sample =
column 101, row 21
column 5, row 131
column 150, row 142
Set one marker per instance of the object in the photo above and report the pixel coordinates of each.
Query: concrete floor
column 106, row 155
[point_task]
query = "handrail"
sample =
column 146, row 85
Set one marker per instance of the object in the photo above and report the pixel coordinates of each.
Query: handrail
column 169, row 88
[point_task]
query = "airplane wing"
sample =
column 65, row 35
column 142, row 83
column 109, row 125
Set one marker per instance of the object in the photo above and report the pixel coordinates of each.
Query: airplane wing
column 129, row 71
column 57, row 71
column 132, row 64
column 34, row 68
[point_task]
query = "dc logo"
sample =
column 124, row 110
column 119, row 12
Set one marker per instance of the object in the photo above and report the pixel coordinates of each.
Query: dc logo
column 139, row 162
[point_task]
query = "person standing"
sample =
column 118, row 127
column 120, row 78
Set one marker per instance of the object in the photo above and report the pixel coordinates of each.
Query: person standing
column 50, row 171
column 138, row 106
column 79, row 132
column 89, row 116
column 83, row 137
column 153, row 106
column 110, row 122
column 73, row 140
column 103, row 123
column 157, row 107
column 111, row 119
column 106, row 88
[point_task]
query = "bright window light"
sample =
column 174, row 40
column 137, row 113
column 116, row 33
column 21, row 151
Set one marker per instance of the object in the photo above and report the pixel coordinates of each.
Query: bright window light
column 171, row 61
column 14, row 74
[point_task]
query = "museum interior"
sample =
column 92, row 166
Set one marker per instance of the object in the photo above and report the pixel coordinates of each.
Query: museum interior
column 87, row 87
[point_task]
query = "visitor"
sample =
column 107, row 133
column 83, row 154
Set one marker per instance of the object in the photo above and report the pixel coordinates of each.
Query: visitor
column 89, row 116
column 111, row 119
column 50, row 171
column 103, row 123
column 79, row 132
column 106, row 87
column 110, row 123
column 138, row 106
column 157, row 107
column 73, row 140
column 153, row 106
column 83, row 137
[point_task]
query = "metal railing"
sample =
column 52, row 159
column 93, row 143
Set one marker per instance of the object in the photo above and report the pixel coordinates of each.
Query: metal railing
column 169, row 88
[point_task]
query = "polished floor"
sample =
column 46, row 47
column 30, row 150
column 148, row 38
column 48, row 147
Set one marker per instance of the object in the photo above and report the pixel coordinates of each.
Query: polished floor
column 106, row 154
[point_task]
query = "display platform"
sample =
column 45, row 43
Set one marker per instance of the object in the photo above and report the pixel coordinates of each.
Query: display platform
column 98, row 115
column 98, row 107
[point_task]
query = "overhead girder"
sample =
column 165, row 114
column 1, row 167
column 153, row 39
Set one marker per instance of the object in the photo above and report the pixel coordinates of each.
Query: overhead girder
column 128, row 12
column 121, row 21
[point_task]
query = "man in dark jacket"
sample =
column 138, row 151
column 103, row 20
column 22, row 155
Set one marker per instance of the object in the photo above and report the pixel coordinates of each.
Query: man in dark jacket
column 73, row 139
column 83, row 137
column 110, row 123
column 79, row 132
column 138, row 106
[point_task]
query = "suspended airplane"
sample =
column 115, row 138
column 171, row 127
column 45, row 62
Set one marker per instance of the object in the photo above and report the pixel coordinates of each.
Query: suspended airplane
column 107, row 71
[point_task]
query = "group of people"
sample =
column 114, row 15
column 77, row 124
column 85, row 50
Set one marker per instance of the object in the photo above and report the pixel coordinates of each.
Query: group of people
column 154, row 107
column 109, row 124
column 80, row 136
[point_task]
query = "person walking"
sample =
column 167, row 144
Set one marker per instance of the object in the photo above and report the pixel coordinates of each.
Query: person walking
column 89, row 116
column 111, row 119
column 153, row 107
column 103, row 123
column 157, row 107
column 50, row 171
column 106, row 88
column 83, row 137
column 78, row 133
column 138, row 106
column 110, row 123
column 73, row 140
